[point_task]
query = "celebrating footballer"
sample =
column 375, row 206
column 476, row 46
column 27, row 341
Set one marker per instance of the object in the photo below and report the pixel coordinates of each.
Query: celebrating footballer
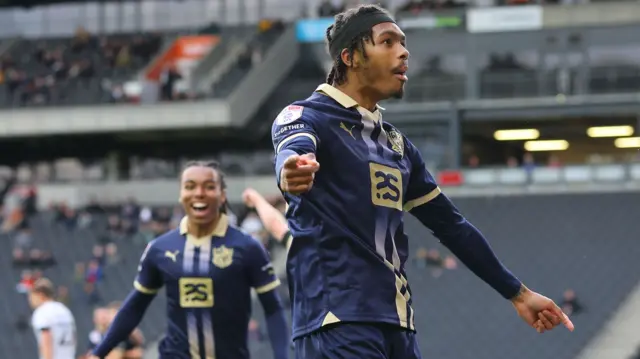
column 348, row 178
column 208, row 269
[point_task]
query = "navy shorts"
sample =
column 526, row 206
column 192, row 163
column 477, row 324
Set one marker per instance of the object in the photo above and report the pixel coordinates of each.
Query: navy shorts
column 358, row 341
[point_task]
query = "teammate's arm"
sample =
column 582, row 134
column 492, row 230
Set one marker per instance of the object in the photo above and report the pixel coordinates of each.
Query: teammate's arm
column 46, row 343
column 262, row 278
column 146, row 285
column 436, row 211
column 295, row 142
column 273, row 220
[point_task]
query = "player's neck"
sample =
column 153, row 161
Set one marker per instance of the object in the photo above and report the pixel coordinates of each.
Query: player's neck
column 200, row 230
column 358, row 94
column 45, row 301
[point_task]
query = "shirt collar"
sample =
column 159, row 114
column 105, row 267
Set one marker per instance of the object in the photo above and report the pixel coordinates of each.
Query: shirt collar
column 343, row 99
column 219, row 231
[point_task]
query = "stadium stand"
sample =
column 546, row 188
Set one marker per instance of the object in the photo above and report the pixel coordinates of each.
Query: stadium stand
column 253, row 53
column 75, row 241
column 75, row 71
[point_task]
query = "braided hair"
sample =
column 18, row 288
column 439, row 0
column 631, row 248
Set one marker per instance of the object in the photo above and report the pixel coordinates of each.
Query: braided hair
column 214, row 165
column 338, row 73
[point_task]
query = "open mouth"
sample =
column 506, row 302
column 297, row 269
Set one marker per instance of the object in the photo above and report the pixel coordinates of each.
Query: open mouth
column 199, row 207
column 401, row 73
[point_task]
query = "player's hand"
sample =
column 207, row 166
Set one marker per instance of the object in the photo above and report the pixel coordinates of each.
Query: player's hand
column 92, row 357
column 249, row 197
column 298, row 172
column 540, row 312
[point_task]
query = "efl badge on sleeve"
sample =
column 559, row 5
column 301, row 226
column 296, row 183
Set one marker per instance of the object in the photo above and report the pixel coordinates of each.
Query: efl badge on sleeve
column 222, row 257
column 289, row 114
column 397, row 143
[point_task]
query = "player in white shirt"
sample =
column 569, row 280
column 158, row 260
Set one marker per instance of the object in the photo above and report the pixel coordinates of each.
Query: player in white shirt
column 52, row 322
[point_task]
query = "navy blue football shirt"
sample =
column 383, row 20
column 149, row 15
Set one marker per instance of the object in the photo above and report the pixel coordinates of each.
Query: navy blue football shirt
column 346, row 260
column 208, row 283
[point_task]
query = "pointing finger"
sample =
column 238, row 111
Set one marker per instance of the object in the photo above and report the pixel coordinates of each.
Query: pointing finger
column 563, row 318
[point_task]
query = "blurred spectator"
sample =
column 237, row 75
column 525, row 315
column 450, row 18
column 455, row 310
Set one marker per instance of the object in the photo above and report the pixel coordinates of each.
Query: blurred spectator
column 554, row 161
column 168, row 79
column 63, row 295
column 92, row 277
column 101, row 319
column 570, row 303
column 474, row 161
column 58, row 69
column 433, row 260
column 130, row 214
column 255, row 334
column 420, row 259
column 528, row 162
column 252, row 224
column 26, row 281
column 23, row 239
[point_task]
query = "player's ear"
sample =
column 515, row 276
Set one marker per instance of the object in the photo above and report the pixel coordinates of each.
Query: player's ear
column 345, row 56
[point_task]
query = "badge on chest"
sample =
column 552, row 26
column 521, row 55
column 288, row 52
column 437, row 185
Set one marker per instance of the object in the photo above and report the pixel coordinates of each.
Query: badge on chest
column 222, row 257
column 397, row 143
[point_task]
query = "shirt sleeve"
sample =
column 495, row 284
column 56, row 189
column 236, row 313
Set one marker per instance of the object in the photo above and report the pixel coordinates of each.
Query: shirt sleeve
column 41, row 321
column 422, row 186
column 293, row 133
column 259, row 269
column 293, row 129
column 149, row 278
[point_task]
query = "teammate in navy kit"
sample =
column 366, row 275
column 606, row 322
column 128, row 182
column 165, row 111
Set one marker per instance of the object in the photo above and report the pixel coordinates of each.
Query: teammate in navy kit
column 348, row 178
column 208, row 269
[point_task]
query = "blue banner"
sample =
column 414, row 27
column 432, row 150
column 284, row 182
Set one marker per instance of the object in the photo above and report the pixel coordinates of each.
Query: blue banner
column 313, row 30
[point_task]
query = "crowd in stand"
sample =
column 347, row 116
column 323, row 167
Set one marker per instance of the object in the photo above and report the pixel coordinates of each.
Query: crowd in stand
column 39, row 76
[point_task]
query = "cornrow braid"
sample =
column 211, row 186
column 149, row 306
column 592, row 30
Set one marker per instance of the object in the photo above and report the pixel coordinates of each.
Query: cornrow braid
column 338, row 73
column 214, row 165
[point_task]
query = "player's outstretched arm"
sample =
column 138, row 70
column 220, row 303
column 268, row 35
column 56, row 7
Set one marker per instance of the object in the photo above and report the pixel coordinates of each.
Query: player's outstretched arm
column 433, row 209
column 125, row 322
column 274, row 221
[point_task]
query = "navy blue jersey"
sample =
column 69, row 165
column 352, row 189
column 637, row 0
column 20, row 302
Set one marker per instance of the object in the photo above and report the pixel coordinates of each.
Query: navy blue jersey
column 208, row 285
column 346, row 260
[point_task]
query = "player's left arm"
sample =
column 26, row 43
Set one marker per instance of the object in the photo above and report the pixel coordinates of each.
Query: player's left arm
column 262, row 277
column 273, row 220
column 431, row 207
column 46, row 343
column 42, row 323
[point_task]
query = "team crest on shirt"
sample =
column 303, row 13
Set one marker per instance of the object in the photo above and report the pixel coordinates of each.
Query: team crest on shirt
column 289, row 114
column 222, row 257
column 397, row 143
